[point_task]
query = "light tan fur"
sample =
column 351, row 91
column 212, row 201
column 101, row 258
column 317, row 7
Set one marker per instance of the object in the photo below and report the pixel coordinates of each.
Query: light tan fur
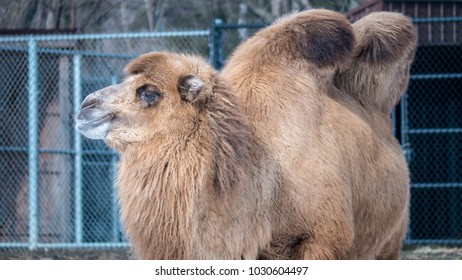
column 345, row 179
column 267, row 159
column 378, row 72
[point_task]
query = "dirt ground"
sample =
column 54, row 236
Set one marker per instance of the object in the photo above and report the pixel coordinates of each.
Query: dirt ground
column 409, row 253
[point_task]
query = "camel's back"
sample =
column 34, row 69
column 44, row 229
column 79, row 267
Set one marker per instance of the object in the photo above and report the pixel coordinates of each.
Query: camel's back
column 345, row 180
column 376, row 171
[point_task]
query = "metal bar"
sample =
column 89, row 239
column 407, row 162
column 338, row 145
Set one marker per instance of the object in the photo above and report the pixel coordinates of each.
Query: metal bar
column 115, row 208
column 118, row 245
column 21, row 245
column 62, row 37
column 73, row 52
column 89, row 53
column 453, row 172
column 436, row 19
column 122, row 245
column 61, row 152
column 191, row 33
column 245, row 25
column 437, row 185
column 14, row 149
column 405, row 146
column 78, row 219
column 55, row 151
column 404, row 129
column 99, row 164
column 99, row 79
column 99, row 152
column 432, row 242
column 434, row 130
column 216, row 44
column 436, row 76
column 33, row 149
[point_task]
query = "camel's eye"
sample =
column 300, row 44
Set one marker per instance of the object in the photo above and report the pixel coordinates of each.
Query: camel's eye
column 148, row 93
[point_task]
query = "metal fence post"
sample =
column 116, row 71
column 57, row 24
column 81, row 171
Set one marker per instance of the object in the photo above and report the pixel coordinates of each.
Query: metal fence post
column 405, row 129
column 77, row 72
column 405, row 145
column 115, row 208
column 33, row 149
column 216, row 44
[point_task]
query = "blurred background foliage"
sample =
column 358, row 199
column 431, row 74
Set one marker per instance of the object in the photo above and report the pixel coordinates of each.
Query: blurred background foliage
column 100, row 16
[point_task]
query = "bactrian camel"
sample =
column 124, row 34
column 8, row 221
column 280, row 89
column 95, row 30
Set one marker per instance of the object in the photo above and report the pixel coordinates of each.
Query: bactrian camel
column 287, row 153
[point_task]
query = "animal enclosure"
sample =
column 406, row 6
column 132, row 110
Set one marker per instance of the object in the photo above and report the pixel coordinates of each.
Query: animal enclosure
column 57, row 188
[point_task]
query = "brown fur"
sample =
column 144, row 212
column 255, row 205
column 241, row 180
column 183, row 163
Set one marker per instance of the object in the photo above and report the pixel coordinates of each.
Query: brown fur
column 267, row 159
column 345, row 178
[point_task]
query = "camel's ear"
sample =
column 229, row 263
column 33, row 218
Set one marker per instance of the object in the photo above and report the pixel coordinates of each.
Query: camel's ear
column 190, row 86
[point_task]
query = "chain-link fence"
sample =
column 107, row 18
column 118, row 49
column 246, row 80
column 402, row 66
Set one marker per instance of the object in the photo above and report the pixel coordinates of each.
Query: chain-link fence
column 431, row 130
column 225, row 37
column 57, row 187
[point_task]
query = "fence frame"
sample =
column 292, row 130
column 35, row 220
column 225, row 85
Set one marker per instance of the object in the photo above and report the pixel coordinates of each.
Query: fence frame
column 215, row 35
column 405, row 131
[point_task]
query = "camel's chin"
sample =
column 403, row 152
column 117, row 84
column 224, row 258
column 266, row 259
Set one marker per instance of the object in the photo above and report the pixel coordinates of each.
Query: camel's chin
column 94, row 132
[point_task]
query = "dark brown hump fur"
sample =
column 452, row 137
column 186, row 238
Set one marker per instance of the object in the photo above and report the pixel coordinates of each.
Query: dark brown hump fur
column 322, row 37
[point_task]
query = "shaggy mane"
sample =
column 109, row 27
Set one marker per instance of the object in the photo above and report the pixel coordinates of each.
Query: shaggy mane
column 231, row 137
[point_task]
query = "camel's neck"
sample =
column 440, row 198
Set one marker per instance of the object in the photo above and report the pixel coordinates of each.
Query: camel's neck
column 165, row 187
column 158, row 189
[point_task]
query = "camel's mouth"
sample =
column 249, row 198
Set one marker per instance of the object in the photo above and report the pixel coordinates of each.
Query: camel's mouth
column 94, row 122
column 96, row 114
column 93, row 127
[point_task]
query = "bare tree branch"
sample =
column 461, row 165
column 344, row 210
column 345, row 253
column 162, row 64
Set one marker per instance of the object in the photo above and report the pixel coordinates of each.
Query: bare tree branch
column 261, row 12
column 149, row 14
column 19, row 14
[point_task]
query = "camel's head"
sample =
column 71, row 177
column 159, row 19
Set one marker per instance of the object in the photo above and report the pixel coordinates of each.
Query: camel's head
column 163, row 94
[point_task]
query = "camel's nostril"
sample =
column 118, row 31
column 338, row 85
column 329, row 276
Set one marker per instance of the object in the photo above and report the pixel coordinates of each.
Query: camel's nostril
column 88, row 103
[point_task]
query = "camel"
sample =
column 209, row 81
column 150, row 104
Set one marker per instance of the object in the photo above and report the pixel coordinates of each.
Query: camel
column 287, row 153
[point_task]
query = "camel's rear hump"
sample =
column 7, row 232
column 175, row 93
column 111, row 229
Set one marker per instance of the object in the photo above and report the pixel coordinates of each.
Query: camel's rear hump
column 379, row 71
